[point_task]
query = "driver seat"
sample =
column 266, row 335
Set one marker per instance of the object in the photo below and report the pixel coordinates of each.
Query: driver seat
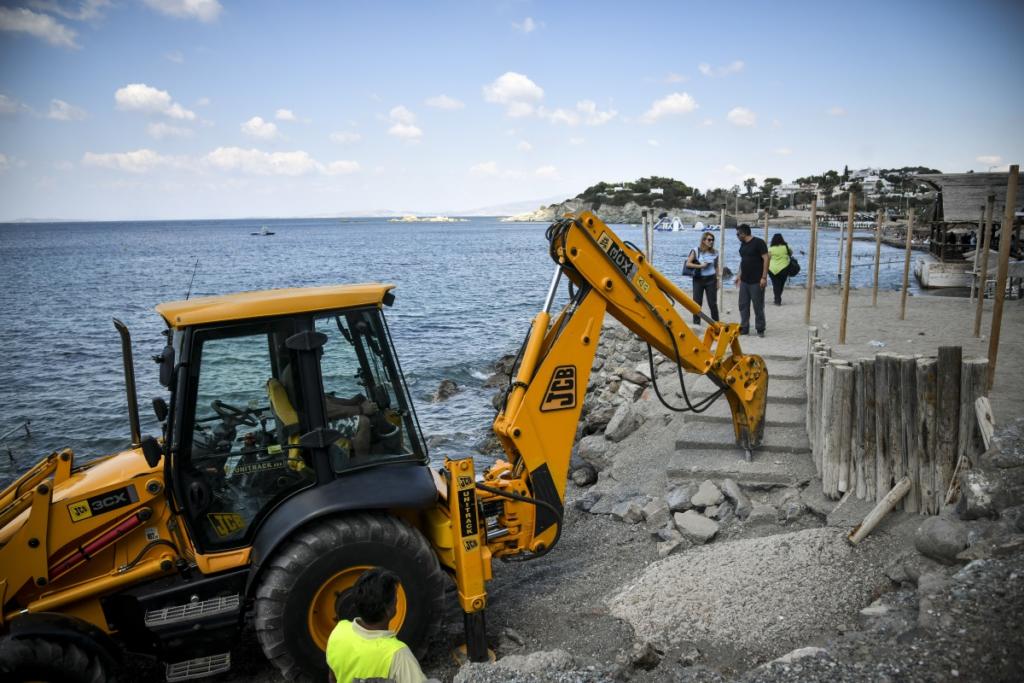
column 286, row 419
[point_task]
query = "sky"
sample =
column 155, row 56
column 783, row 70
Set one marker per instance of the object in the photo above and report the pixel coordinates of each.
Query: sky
column 178, row 109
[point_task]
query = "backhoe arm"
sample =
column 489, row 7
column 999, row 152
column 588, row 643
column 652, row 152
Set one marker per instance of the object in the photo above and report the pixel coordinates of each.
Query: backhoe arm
column 520, row 500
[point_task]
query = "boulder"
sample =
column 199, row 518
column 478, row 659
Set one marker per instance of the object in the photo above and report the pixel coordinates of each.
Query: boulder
column 669, row 532
column 666, row 548
column 734, row 493
column 599, row 416
column 976, row 495
column 445, row 390
column 696, row 526
column 762, row 513
column 707, row 494
column 644, row 656
column 657, row 513
column 501, row 371
column 629, row 391
column 638, row 378
column 586, row 502
column 624, row 422
column 584, row 476
column 629, row 511
column 941, row 539
column 680, row 499
column 723, row 512
column 594, row 450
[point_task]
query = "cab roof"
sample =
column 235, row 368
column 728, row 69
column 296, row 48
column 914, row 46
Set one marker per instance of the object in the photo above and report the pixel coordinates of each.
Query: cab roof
column 271, row 303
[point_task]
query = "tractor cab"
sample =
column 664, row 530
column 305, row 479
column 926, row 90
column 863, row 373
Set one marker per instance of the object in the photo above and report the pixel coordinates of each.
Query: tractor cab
column 275, row 394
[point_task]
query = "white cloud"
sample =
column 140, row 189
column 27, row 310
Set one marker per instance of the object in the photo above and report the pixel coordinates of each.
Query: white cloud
column 344, row 137
column 62, row 111
column 676, row 103
column 160, row 130
column 707, row 122
column 203, row 102
column 21, row 20
column 524, row 146
column 719, row 71
column 591, row 115
column 5, row 162
column 257, row 162
column 484, row 169
column 990, row 159
column 675, row 78
column 836, row 111
column 516, row 92
column 404, row 124
column 527, row 25
column 203, row 10
column 285, row 115
column 576, row 141
column 549, row 172
column 86, row 10
column 258, row 128
column 444, row 102
column 341, row 167
column 8, row 105
column 139, row 161
column 144, row 98
column 654, row 143
column 783, row 151
column 776, row 123
column 63, row 165
column 174, row 56
column 741, row 116
column 569, row 118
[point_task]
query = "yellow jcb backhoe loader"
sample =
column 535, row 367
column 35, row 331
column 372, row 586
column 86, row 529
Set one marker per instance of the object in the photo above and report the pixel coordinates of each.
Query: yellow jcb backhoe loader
column 291, row 461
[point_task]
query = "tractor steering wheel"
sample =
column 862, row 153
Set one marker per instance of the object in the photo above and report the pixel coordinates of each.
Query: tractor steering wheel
column 230, row 413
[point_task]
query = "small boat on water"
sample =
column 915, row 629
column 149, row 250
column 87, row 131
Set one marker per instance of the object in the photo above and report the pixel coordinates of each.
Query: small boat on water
column 666, row 224
column 263, row 232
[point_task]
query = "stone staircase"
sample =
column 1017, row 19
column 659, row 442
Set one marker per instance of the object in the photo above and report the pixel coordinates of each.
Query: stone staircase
column 705, row 444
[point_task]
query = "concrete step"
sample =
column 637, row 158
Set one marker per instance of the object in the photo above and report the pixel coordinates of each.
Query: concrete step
column 721, row 437
column 778, row 414
column 764, row 470
column 780, row 391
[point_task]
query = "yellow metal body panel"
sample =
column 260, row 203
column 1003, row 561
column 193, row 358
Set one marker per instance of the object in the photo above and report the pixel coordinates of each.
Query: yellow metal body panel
column 273, row 302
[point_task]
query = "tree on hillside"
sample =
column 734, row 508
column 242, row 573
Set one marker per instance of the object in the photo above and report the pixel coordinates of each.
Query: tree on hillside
column 750, row 184
column 846, row 173
column 770, row 184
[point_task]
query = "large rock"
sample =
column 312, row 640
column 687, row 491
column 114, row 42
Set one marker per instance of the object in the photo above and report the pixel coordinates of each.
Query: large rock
column 656, row 513
column 733, row 492
column 708, row 494
column 445, row 390
column 624, row 422
column 941, row 539
column 638, row 378
column 629, row 391
column 584, row 475
column 696, row 526
column 629, row 511
column 594, row 450
column 680, row 499
column 976, row 495
column 762, row 513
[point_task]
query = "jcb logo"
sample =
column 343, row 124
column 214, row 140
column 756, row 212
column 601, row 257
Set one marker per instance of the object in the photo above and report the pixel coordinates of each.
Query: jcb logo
column 561, row 393
column 226, row 523
column 465, row 482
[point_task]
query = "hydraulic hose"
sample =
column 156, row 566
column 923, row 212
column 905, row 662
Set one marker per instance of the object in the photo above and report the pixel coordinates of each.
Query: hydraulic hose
column 535, row 502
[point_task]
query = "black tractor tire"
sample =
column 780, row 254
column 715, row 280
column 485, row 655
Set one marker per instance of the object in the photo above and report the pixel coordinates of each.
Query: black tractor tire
column 301, row 566
column 56, row 661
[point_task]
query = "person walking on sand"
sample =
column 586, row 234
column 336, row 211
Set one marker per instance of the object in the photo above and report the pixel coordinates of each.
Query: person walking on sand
column 704, row 261
column 752, row 279
column 778, row 266
column 365, row 648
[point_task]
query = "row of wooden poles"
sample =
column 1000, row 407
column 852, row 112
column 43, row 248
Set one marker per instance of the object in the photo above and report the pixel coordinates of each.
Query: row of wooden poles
column 1002, row 273
column 873, row 421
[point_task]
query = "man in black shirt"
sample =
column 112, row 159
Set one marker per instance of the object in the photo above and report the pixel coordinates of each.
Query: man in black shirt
column 752, row 279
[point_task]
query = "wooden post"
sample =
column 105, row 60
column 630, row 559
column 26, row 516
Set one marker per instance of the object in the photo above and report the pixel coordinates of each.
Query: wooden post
column 867, row 423
column 908, row 428
column 647, row 235
column 820, row 363
column 986, row 423
column 947, row 418
column 846, row 282
column 878, row 257
column 857, row 484
column 983, row 276
column 894, row 432
column 721, row 265
column 842, row 424
column 825, row 443
column 906, row 281
column 885, row 505
column 1004, row 266
column 883, row 466
column 925, row 433
column 766, row 212
column 978, row 239
column 973, row 378
column 811, row 262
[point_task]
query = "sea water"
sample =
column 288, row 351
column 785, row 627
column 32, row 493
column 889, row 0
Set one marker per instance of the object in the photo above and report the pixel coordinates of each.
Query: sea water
column 465, row 295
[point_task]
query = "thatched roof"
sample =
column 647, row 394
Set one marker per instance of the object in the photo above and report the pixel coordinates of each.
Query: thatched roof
column 963, row 194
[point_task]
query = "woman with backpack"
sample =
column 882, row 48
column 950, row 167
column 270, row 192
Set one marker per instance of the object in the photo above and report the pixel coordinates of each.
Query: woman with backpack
column 702, row 263
column 779, row 265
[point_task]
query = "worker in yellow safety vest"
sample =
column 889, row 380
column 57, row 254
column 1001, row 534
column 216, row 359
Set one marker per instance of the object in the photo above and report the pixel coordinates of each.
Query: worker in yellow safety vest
column 365, row 648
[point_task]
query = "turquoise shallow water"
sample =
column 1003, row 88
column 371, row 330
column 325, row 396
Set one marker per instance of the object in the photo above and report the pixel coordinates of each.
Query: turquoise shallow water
column 465, row 295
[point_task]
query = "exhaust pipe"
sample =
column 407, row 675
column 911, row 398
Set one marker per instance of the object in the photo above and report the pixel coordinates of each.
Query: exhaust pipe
column 129, row 383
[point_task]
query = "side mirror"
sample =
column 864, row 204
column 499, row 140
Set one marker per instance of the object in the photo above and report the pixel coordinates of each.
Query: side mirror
column 166, row 361
column 160, row 409
column 151, row 451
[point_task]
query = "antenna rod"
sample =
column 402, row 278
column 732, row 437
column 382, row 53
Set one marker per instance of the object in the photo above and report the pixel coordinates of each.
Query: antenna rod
column 192, row 279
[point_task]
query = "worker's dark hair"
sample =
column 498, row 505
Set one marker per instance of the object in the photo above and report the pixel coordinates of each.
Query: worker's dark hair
column 374, row 592
column 743, row 229
column 777, row 239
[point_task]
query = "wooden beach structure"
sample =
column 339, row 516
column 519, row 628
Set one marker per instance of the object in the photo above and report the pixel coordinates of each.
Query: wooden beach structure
column 955, row 229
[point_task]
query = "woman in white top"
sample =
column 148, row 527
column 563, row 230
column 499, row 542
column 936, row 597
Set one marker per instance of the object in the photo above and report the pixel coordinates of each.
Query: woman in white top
column 704, row 261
